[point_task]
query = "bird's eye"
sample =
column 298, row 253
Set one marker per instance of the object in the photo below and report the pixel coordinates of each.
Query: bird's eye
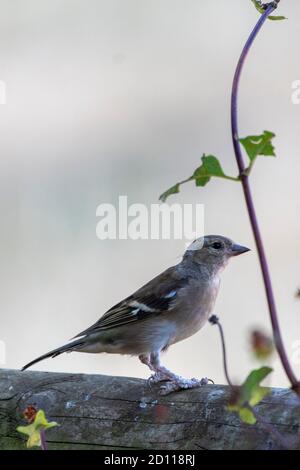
column 217, row 245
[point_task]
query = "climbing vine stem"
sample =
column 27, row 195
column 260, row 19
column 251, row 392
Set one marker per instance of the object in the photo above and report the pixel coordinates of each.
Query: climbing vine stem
column 244, row 177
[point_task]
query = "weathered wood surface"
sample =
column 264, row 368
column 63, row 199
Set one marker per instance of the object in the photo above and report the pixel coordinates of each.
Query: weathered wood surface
column 102, row 412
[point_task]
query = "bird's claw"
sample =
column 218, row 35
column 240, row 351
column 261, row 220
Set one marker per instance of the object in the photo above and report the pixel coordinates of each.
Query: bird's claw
column 156, row 378
column 183, row 384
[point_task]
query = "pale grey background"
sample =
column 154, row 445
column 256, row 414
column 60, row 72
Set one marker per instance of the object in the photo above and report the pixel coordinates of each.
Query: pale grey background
column 122, row 97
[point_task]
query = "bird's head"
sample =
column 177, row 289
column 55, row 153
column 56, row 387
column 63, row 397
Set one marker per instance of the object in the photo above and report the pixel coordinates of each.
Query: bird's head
column 213, row 250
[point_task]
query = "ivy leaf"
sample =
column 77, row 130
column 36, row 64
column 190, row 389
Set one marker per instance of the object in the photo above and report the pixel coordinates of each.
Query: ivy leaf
column 33, row 430
column 261, row 10
column 250, row 394
column 259, row 145
column 209, row 168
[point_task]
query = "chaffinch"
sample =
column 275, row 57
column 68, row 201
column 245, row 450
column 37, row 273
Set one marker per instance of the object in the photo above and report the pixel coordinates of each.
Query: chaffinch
column 171, row 307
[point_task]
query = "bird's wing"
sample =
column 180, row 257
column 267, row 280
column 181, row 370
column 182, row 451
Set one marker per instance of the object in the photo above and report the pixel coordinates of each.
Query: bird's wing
column 155, row 297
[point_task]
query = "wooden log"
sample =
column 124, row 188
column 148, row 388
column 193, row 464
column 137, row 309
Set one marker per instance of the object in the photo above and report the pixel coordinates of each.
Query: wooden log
column 102, row 412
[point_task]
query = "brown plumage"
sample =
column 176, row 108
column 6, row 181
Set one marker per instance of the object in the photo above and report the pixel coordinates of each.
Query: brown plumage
column 171, row 307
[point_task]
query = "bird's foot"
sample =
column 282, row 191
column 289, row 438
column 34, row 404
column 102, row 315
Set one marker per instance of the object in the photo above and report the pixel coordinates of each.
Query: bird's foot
column 157, row 377
column 182, row 384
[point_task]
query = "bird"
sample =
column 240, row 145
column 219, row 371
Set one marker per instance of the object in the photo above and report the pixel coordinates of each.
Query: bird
column 170, row 308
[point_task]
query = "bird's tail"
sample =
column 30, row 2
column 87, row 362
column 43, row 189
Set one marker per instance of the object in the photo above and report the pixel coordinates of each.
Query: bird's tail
column 56, row 352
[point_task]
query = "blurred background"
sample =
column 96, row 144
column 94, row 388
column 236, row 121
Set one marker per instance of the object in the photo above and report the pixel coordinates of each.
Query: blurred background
column 122, row 98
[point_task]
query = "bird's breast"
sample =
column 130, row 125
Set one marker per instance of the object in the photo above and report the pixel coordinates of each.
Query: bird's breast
column 196, row 309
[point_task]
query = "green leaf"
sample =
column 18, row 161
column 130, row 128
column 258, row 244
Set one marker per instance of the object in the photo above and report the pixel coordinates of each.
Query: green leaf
column 250, row 394
column 33, row 430
column 247, row 416
column 173, row 190
column 257, row 6
column 259, row 145
column 261, row 10
column 277, row 18
column 209, row 168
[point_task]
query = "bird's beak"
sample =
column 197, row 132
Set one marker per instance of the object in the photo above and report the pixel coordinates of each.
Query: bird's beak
column 238, row 249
